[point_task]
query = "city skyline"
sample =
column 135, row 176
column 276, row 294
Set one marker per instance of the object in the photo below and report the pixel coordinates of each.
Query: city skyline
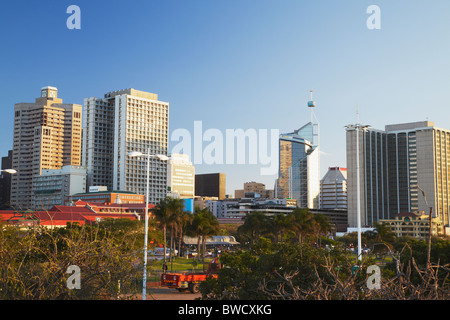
column 237, row 65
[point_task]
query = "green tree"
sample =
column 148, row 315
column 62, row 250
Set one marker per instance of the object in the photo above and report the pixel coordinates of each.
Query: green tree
column 33, row 263
column 321, row 226
column 203, row 225
column 302, row 222
column 175, row 207
column 255, row 223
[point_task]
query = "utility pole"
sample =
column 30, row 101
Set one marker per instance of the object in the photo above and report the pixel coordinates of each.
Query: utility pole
column 430, row 217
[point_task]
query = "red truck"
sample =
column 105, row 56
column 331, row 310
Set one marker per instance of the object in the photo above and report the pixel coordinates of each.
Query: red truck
column 189, row 280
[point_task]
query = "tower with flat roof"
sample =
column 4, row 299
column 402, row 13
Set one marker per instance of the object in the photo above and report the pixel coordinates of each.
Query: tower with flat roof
column 47, row 135
column 395, row 165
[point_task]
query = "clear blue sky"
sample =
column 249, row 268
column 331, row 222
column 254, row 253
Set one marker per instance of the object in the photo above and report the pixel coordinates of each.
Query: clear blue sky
column 237, row 64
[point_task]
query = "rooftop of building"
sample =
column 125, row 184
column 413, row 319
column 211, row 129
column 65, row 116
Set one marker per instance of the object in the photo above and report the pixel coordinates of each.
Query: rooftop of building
column 102, row 192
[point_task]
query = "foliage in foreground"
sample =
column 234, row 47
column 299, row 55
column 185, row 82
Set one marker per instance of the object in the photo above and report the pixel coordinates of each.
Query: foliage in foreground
column 302, row 272
column 34, row 263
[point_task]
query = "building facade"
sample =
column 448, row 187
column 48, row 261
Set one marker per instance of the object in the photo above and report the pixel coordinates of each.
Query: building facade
column 53, row 186
column 404, row 168
column 210, row 185
column 121, row 122
column 414, row 225
column 105, row 196
column 98, row 141
column 239, row 208
column 181, row 176
column 333, row 189
column 253, row 189
column 47, row 135
column 299, row 168
column 5, row 182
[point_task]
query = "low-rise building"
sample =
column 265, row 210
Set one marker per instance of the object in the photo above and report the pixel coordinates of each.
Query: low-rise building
column 102, row 195
column 415, row 225
column 80, row 212
column 53, row 186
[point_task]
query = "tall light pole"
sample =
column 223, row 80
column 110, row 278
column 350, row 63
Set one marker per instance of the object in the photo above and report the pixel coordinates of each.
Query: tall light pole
column 149, row 156
column 358, row 128
column 10, row 171
column 430, row 217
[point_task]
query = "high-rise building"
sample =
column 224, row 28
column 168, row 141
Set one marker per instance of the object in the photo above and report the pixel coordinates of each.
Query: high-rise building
column 122, row 122
column 333, row 189
column 299, row 166
column 5, row 181
column 405, row 168
column 98, row 141
column 210, row 185
column 181, row 176
column 47, row 135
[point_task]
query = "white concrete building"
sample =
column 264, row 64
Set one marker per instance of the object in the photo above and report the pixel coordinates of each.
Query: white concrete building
column 333, row 189
column 121, row 122
column 53, row 186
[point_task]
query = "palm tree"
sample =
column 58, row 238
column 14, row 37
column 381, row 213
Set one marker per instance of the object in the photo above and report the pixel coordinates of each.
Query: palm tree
column 281, row 224
column 166, row 212
column 254, row 224
column 322, row 225
column 203, row 224
column 175, row 207
column 183, row 221
column 302, row 222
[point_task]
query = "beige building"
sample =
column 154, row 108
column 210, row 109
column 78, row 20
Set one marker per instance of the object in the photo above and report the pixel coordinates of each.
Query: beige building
column 181, row 176
column 47, row 135
column 395, row 165
column 251, row 189
column 200, row 202
column 415, row 225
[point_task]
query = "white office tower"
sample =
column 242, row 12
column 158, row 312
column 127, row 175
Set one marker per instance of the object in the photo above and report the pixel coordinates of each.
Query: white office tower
column 181, row 176
column 333, row 189
column 122, row 122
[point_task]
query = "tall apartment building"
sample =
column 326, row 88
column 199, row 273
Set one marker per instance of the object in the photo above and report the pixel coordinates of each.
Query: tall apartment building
column 333, row 189
column 47, row 135
column 98, row 141
column 394, row 166
column 121, row 122
column 181, row 176
column 299, row 168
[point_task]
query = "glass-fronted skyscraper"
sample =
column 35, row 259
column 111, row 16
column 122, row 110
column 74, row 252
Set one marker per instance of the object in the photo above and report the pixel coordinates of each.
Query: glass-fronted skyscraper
column 299, row 167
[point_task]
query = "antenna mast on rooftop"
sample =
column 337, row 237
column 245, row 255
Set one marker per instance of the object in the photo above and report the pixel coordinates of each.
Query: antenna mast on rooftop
column 314, row 121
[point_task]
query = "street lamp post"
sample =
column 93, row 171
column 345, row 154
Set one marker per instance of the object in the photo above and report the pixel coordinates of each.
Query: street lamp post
column 430, row 217
column 358, row 128
column 149, row 156
column 10, row 171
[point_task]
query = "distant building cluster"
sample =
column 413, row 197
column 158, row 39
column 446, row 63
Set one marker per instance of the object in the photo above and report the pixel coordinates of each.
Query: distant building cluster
column 99, row 154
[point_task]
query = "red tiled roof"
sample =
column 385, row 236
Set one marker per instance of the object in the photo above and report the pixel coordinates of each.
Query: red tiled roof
column 60, row 215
